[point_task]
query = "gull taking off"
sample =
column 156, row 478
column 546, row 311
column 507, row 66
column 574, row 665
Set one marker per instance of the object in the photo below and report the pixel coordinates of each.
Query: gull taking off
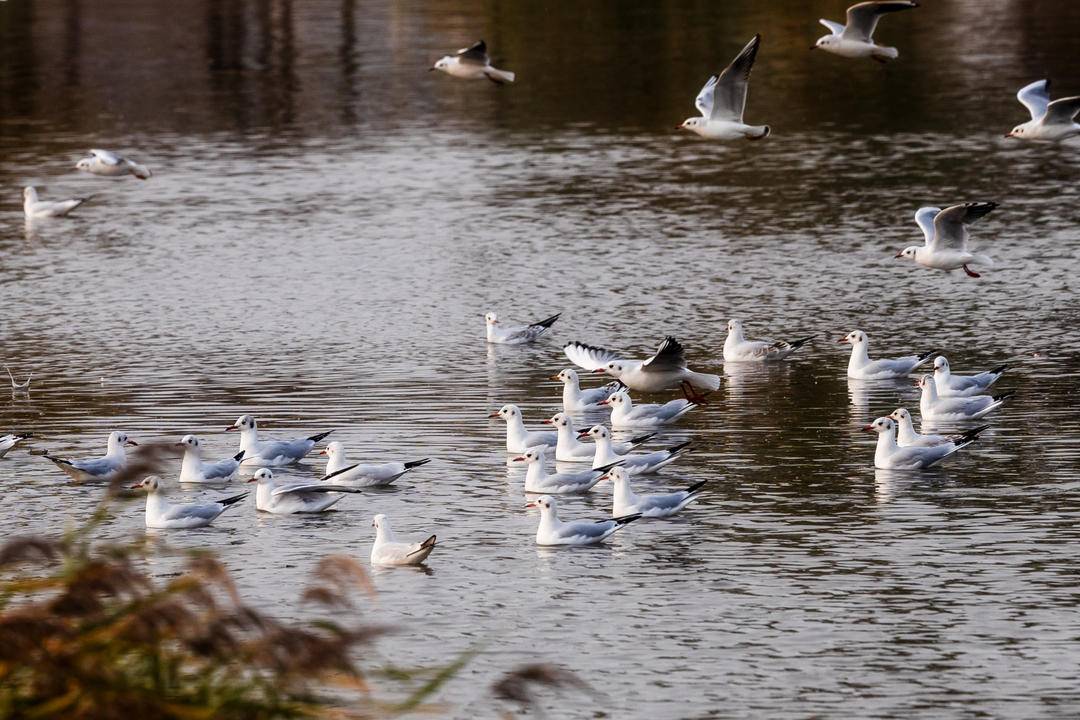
column 388, row 551
column 364, row 475
column 856, row 38
column 654, row 506
column 906, row 435
column 9, row 441
column 935, row 407
column 738, row 349
column 553, row 531
column 518, row 439
column 642, row 464
column 663, row 371
column 286, row 498
column 18, row 387
column 100, row 468
column 270, row 452
column 1053, row 121
column 569, row 449
column 34, row 207
column 861, row 367
column 537, row 479
column 722, row 101
column 516, row 334
column 946, row 236
column 473, row 63
column 949, row 385
column 162, row 515
column 624, row 414
column 110, row 164
column 890, row 456
column 194, row 470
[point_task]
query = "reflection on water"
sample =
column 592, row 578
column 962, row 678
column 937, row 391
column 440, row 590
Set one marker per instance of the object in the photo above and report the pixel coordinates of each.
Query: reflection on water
column 328, row 222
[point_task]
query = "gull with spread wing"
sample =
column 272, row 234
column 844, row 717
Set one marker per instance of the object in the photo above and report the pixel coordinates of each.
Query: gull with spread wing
column 722, row 101
column 1053, row 121
column 473, row 63
column 856, row 38
column 946, row 234
column 665, row 370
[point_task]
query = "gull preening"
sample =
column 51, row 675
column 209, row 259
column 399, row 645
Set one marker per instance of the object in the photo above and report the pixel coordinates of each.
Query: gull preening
column 665, row 370
column 364, row 475
column 856, row 38
column 906, row 435
column 861, row 367
column 936, row 407
column 640, row 464
column 889, row 455
column 516, row 334
column 270, row 453
column 658, row 505
column 387, row 550
column 1052, row 121
column 473, row 63
column 34, row 207
column 7, row 442
column 552, row 531
column 738, row 349
column 518, row 438
column 574, row 399
column 946, row 235
column 568, row 448
column 162, row 515
column 722, row 101
column 624, row 414
column 537, row 479
column 111, row 164
column 104, row 468
column 949, row 385
column 287, row 498
column 194, row 470
column 16, row 386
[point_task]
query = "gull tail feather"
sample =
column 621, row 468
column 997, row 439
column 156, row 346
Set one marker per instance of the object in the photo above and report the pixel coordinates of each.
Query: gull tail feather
column 140, row 171
column 704, row 381
column 758, row 132
column 547, row 322
column 499, row 77
column 233, row 499
column 981, row 260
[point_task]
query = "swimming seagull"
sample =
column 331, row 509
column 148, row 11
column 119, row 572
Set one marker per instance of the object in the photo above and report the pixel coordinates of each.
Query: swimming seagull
column 34, row 207
column 946, row 237
column 665, row 370
column 861, row 367
column 855, row 39
column 722, row 101
column 949, row 385
column 640, row 464
column 516, row 334
column 906, row 435
column 518, row 438
column 270, row 452
column 1049, row 120
column 104, row 468
column 388, row 551
column 194, row 470
column 658, row 505
column 162, row 515
column 23, row 386
column 569, row 449
column 935, row 407
column 574, row 399
column 9, row 441
column 342, row 472
column 537, row 479
column 890, row 456
column 287, row 498
column 110, row 164
column 552, row 531
column 738, row 349
column 624, row 414
column 472, row 63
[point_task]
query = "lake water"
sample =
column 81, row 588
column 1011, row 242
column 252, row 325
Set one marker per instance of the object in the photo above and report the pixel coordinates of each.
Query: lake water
column 328, row 222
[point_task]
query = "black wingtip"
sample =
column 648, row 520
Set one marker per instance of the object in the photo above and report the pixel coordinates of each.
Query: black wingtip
column 234, row 499
column 547, row 322
column 677, row 448
column 641, row 438
column 696, row 486
column 999, row 369
column 320, row 436
column 627, row 519
column 239, row 456
column 1003, row 396
column 24, row 435
column 58, row 461
column 925, row 355
column 604, row 468
column 430, row 542
column 970, row 435
column 417, row 463
column 796, row 344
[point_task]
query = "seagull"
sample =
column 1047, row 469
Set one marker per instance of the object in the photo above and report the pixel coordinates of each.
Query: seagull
column 737, row 348
column 9, row 441
column 538, row 481
column 722, row 101
column 906, row 435
column 861, row 367
column 569, row 449
column 110, row 164
column 949, row 385
column 286, row 498
column 946, row 236
column 1049, row 120
column 100, row 468
column 388, row 551
column 368, row 475
column 654, row 506
column 890, row 456
column 574, row 399
column 518, row 439
column 855, row 39
column 194, row 470
column 553, row 531
column 664, row 370
column 472, row 63
column 516, row 334
column 624, row 414
column 36, row 208
column 271, row 452
column 643, row 464
column 162, row 515
column 19, row 387
column 936, row 407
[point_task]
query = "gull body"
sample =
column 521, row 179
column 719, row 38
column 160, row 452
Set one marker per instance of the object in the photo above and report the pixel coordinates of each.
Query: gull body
column 515, row 334
column 575, row 399
column 861, row 367
column 537, row 479
column 107, row 163
column 553, row 531
column 665, row 370
column 946, row 238
column 33, row 207
column 341, row 472
column 194, row 470
column 1050, row 121
column 640, row 464
column 388, row 551
column 950, row 385
column 16, row 386
column 738, row 349
column 473, row 63
column 722, row 102
column 104, row 468
column 906, row 435
column 626, row 502
column 7, row 442
column 518, row 438
column 624, row 414
column 935, row 407
column 856, row 38
column 891, row 456
column 287, row 498
column 568, row 448
column 163, row 515
column 270, row 453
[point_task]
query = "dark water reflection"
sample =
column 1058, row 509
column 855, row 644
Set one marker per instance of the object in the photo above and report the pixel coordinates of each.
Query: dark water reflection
column 328, row 222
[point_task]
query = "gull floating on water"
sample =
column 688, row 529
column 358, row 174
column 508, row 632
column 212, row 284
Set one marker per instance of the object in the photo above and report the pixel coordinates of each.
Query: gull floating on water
column 651, row 506
column 890, row 456
column 364, row 475
column 7, row 442
column 641, row 464
column 935, row 407
column 537, row 479
column 569, row 449
column 574, row 399
column 1053, row 121
column 518, row 438
column 516, row 334
column 104, row 468
column 906, row 435
column 624, row 414
column 473, row 63
column 162, row 515
column 194, row 470
column 23, row 386
column 949, row 385
column 722, row 101
column 946, row 236
column 110, row 164
column 738, row 349
column 861, row 367
column 286, row 498
column 388, row 551
column 665, row 370
column 270, row 453
column 553, row 531
column 34, row 207
column 855, row 39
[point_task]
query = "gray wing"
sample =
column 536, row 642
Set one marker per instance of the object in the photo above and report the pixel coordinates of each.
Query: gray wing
column 704, row 101
column 1063, row 110
column 205, row 512
column 1035, row 97
column 668, row 357
column 585, row 529
column 665, row 501
column 589, row 357
column 98, row 467
column 950, row 225
column 834, row 27
column 924, row 216
column 475, row 54
column 221, row 469
column 108, row 157
column 729, row 95
column 311, row 488
column 288, row 448
column 862, row 18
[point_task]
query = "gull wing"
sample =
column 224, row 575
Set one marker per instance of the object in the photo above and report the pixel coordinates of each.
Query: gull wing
column 924, row 216
column 668, row 357
column 589, row 357
column 475, row 54
column 705, row 99
column 950, row 225
column 108, row 157
column 1035, row 97
column 862, row 18
column 834, row 27
column 730, row 90
column 1063, row 110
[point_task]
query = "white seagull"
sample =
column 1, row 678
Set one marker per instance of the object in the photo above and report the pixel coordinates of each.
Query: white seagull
column 9, row 441
column 624, row 414
column 286, row 498
column 949, row 385
column 553, row 531
column 194, row 470
column 650, row 506
column 569, row 449
column 664, row 370
column 856, row 38
column 110, row 164
column 472, row 63
column 642, row 464
column 861, row 367
column 518, row 438
column 890, row 456
column 516, row 334
column 537, row 479
column 270, row 453
column 162, row 515
column 906, row 435
column 104, row 468
column 946, row 236
column 388, row 551
column 364, row 475
column 1053, row 121
column 722, row 101
column 738, row 349
column 19, row 387
column 935, row 407
column 33, row 207
column 574, row 399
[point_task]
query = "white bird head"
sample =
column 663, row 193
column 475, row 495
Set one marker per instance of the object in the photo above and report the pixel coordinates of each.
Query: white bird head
column 84, row 164
column 882, row 424
column 150, row 484
column 925, row 381
column 855, row 337
column 1018, row 132
column 118, row 440
column 442, row 63
column 616, row 475
column 596, row 432
column 900, row 414
column 618, row 399
column 491, row 318
column 546, row 503
column 29, row 192
column 190, row 442
column 615, row 369
column 262, row 475
column 559, row 420
column 379, row 522
column 734, row 326
column 506, row 412
column 826, row 41
column 243, row 424
column 693, row 124
column 333, row 449
column 567, row 376
column 941, row 365
column 908, row 252
column 535, row 454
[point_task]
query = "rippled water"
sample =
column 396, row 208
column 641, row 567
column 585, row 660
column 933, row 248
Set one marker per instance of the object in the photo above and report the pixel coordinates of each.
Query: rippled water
column 328, row 222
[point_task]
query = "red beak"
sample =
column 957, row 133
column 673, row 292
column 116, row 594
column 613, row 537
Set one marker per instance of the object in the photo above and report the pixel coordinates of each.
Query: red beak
column 494, row 414
column 231, row 428
column 549, row 421
column 519, row 458
column 582, row 433
column 251, row 480
column 842, row 340
column 598, row 370
column 530, row 505
column 868, row 428
column 323, row 452
column 605, row 401
column 136, row 486
column 132, row 443
column 899, row 254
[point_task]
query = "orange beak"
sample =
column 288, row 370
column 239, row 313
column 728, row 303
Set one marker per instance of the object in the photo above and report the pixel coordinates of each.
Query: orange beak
column 519, row 458
column 494, row 414
column 132, row 443
column 530, row 504
column 598, row 370
column 231, row 428
column 867, row 428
